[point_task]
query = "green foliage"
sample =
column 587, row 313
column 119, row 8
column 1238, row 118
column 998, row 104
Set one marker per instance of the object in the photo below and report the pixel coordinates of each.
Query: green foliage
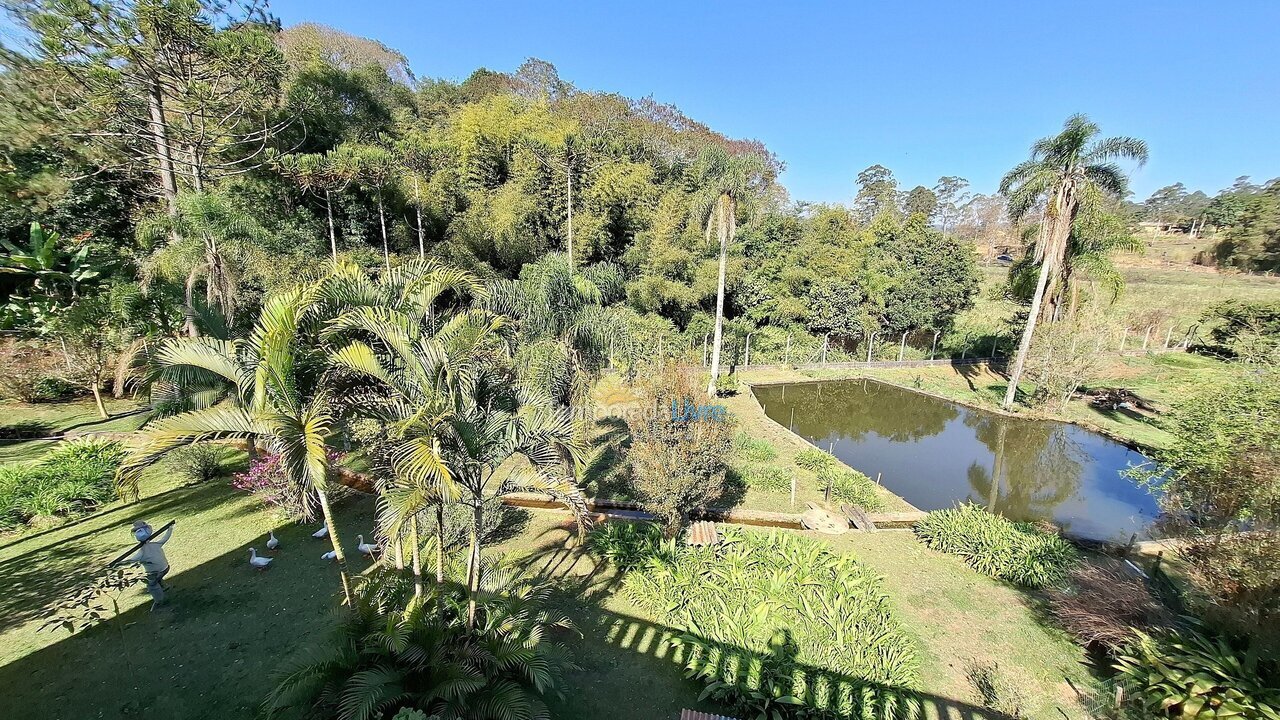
column 1244, row 331
column 995, row 690
column 774, row 622
column 75, row 476
column 201, row 462
column 629, row 545
column 813, row 459
column 393, row 651
column 1016, row 552
column 676, row 465
column 767, row 477
column 727, row 385
column 754, row 450
column 1190, row 675
column 850, row 486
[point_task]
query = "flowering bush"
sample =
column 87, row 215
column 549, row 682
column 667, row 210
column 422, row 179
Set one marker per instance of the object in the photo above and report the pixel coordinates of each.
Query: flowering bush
column 269, row 481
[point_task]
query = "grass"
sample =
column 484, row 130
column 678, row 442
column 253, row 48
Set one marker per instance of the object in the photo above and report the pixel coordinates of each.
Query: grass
column 76, row 416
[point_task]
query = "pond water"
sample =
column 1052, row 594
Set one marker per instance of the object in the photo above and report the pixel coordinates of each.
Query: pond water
column 935, row 454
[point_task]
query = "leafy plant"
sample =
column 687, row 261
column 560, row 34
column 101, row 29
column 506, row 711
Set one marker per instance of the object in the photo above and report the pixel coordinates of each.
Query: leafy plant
column 772, row 623
column 1190, row 675
column 75, row 476
column 767, row 477
column 269, row 481
column 727, row 385
column 754, row 450
column 200, row 463
column 628, row 545
column 394, row 650
column 813, row 459
column 95, row 602
column 850, row 486
column 1019, row 553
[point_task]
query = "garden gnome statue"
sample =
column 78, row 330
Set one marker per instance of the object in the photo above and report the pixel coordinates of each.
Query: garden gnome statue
column 152, row 559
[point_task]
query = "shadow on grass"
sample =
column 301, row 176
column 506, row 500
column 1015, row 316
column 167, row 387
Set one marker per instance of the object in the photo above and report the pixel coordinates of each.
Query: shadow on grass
column 210, row 651
column 645, row 662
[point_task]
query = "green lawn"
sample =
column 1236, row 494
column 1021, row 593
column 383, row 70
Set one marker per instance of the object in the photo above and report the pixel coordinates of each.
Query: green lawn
column 76, row 416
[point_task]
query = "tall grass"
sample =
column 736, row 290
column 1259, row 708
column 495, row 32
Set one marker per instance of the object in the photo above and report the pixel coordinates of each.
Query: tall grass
column 74, row 476
column 772, row 622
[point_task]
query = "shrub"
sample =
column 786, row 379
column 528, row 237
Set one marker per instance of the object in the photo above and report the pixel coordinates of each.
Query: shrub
column 753, row 450
column 53, row 389
column 268, row 481
column 1105, row 608
column 813, row 459
column 773, row 622
column 27, row 368
column 201, row 462
column 458, row 520
column 1019, row 553
column 850, row 486
column 1189, row 675
column 727, row 385
column 995, row 691
column 767, row 477
column 625, row 544
column 75, row 476
column 675, row 465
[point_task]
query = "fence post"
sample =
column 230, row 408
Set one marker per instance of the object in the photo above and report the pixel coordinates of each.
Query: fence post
column 902, row 348
column 1146, row 337
column 787, row 360
column 1124, row 339
column 1167, row 336
column 704, row 350
column 964, row 347
column 611, row 352
column 994, row 341
column 747, row 361
column 870, row 344
column 825, row 340
column 934, row 350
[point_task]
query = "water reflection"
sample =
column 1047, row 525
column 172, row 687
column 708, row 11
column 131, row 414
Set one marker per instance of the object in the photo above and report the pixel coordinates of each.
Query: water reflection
column 936, row 453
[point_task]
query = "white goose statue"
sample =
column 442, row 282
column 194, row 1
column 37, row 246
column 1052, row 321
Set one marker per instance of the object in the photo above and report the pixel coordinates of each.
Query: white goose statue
column 272, row 543
column 364, row 547
column 259, row 563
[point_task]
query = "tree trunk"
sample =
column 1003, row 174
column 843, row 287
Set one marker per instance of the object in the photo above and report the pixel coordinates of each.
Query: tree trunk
column 96, row 387
column 473, row 563
column 333, row 235
column 382, row 219
column 339, row 555
column 164, row 153
column 189, row 326
column 417, row 559
column 568, row 173
column 398, row 549
column 417, row 206
column 440, row 543
column 725, row 212
column 1024, row 346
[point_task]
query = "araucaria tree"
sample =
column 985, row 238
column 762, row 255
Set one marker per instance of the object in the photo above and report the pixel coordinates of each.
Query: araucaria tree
column 1067, row 172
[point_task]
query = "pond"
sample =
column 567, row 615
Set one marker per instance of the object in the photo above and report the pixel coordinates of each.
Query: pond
column 935, row 453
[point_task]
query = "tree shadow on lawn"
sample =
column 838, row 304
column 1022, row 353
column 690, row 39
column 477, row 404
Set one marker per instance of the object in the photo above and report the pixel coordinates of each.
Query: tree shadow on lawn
column 635, row 668
column 211, row 650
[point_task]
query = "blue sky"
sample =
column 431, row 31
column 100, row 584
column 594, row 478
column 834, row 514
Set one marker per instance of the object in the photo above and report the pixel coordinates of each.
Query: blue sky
column 925, row 88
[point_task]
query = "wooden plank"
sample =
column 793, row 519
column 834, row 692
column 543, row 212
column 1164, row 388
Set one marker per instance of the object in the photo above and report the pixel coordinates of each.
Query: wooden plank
column 858, row 517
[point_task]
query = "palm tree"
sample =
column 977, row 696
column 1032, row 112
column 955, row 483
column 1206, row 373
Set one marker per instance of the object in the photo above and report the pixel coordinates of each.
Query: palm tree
column 726, row 180
column 216, row 240
column 280, row 402
column 1066, row 172
column 566, row 325
column 391, row 651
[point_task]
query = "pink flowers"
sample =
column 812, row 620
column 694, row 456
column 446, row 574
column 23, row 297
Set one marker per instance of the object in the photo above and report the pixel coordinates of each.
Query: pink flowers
column 269, row 480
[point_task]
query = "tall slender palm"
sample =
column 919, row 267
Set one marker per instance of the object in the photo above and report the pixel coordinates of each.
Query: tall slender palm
column 726, row 181
column 1065, row 172
column 281, row 404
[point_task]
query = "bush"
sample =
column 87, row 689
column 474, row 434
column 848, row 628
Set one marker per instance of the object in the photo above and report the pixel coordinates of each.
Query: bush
column 1105, row 608
column 75, row 476
column 850, row 486
column 1019, row 553
column 813, row 459
column 753, row 450
column 767, row 477
column 995, row 691
column 54, row 389
column 772, row 622
column 627, row 545
column 200, row 463
column 727, row 385
column 1189, row 675
column 268, row 481
column 28, row 366
column 675, row 465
